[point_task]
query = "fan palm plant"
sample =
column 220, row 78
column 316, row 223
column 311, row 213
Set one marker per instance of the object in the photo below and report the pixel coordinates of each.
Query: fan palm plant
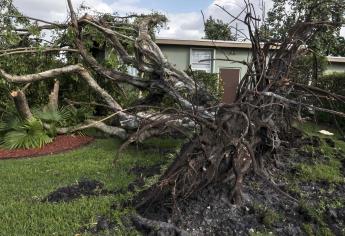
column 53, row 118
column 29, row 134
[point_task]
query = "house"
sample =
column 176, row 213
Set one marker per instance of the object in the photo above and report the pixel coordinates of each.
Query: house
column 199, row 55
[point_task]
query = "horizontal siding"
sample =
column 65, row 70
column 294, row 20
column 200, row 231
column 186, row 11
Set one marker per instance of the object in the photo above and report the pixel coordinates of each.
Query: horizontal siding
column 178, row 56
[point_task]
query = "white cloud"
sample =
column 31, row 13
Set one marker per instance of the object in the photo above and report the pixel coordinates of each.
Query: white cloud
column 190, row 25
column 56, row 10
column 47, row 10
column 124, row 7
column 183, row 25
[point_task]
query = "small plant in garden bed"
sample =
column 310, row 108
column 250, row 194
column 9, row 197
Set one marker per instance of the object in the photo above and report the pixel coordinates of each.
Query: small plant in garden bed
column 37, row 131
column 27, row 134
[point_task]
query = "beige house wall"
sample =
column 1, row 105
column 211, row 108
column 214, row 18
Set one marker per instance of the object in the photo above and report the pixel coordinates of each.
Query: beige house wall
column 233, row 54
column 335, row 67
column 179, row 56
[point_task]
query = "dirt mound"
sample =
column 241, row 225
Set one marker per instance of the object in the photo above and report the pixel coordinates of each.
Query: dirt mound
column 282, row 204
column 60, row 144
column 211, row 213
column 265, row 209
column 82, row 188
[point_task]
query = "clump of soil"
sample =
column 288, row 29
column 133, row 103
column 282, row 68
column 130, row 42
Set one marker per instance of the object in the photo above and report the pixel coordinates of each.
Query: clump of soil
column 141, row 173
column 330, row 142
column 103, row 223
column 82, row 188
column 146, row 171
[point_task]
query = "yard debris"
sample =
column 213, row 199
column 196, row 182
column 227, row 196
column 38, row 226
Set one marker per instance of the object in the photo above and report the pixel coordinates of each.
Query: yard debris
column 325, row 132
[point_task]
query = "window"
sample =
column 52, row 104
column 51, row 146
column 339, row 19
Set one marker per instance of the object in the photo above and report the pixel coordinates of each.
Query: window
column 201, row 60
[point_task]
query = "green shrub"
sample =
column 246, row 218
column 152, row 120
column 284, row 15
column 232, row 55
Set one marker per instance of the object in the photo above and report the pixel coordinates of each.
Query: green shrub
column 40, row 130
column 334, row 83
column 29, row 134
column 53, row 117
column 209, row 80
column 306, row 68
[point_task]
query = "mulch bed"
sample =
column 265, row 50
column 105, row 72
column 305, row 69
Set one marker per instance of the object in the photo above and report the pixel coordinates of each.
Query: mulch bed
column 60, row 144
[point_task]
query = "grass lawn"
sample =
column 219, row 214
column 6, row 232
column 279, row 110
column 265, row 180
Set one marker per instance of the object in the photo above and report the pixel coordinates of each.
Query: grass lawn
column 23, row 183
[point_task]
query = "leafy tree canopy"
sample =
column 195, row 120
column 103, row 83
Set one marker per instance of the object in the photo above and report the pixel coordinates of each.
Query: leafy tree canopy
column 216, row 29
column 285, row 13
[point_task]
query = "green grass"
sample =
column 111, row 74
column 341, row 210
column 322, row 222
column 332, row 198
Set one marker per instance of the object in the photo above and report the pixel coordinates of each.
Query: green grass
column 329, row 170
column 25, row 182
column 163, row 143
column 324, row 165
column 311, row 129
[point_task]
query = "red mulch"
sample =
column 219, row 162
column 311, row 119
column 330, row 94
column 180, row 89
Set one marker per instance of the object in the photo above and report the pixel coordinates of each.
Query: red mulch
column 60, row 144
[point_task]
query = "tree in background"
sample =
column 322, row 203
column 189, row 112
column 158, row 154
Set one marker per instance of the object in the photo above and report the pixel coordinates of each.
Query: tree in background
column 308, row 68
column 216, row 29
column 326, row 41
column 285, row 13
column 338, row 48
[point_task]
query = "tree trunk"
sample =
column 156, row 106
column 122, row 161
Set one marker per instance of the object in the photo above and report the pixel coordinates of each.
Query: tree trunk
column 54, row 96
column 21, row 104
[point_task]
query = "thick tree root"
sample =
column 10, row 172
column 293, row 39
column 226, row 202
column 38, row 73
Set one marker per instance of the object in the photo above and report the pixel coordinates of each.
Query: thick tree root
column 156, row 228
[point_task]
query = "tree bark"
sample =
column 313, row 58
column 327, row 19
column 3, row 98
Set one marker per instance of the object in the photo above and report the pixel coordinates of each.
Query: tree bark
column 54, row 96
column 21, row 104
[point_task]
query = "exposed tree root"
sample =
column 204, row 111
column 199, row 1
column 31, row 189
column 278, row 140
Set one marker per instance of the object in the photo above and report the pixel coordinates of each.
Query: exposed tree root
column 156, row 228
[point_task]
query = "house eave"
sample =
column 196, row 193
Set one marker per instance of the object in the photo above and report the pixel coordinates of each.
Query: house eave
column 204, row 43
column 336, row 59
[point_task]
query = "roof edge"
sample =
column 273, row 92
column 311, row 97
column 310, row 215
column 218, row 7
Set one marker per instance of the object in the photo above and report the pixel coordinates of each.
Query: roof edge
column 204, row 42
column 223, row 44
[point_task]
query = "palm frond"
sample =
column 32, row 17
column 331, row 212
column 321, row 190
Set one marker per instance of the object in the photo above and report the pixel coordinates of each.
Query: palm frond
column 31, row 134
column 10, row 123
column 47, row 115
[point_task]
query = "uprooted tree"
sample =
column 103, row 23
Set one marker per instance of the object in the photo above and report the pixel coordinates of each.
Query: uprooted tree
column 228, row 139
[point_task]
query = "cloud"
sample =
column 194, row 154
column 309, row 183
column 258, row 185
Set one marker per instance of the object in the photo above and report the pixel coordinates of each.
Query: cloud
column 190, row 25
column 181, row 25
column 124, row 7
column 56, row 10
column 47, row 10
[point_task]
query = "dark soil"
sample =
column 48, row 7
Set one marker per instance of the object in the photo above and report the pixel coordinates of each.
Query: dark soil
column 330, row 142
column 86, row 187
column 141, row 173
column 89, row 188
column 60, row 144
column 146, row 171
column 82, row 188
column 103, row 223
column 269, row 207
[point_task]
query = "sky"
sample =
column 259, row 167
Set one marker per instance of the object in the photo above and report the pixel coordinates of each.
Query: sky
column 185, row 18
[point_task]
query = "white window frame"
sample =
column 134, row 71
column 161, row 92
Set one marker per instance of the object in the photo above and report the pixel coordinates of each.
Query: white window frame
column 209, row 64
